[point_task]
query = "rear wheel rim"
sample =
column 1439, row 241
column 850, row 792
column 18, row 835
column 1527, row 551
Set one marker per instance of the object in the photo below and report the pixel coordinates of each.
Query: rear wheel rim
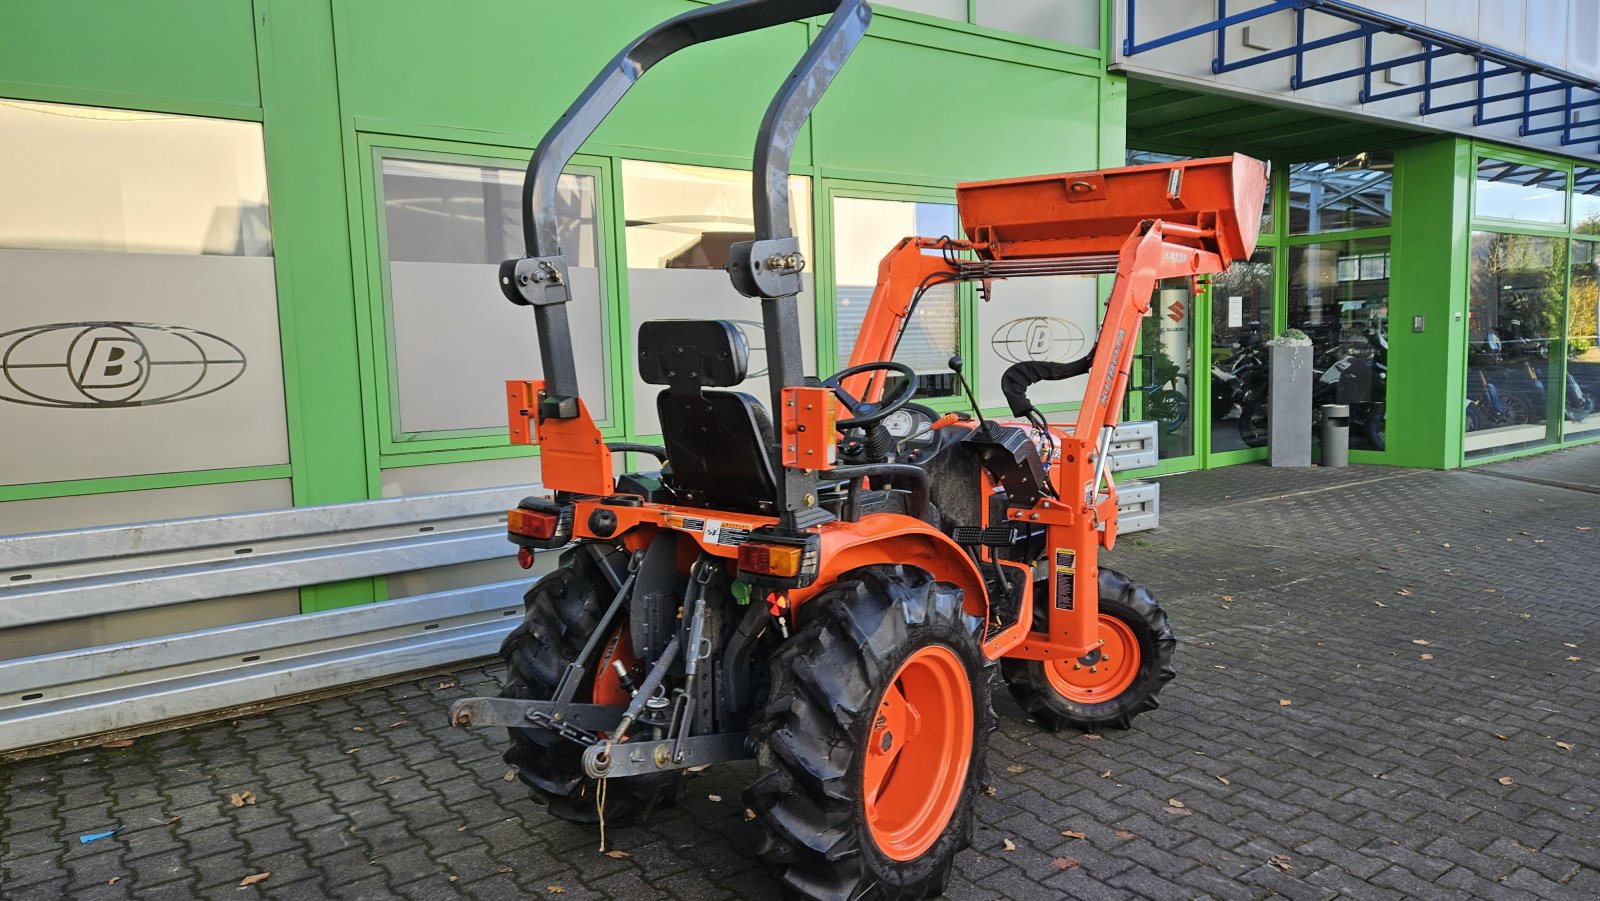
column 1109, row 677
column 918, row 749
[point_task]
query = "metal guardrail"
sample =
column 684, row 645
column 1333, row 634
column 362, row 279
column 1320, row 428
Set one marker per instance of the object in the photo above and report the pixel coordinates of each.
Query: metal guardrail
column 57, row 576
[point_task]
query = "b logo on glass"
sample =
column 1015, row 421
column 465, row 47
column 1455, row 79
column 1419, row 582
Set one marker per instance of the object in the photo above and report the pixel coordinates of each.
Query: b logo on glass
column 99, row 365
column 1039, row 338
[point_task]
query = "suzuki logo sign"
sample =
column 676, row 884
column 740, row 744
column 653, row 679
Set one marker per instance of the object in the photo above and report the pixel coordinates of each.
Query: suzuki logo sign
column 95, row 365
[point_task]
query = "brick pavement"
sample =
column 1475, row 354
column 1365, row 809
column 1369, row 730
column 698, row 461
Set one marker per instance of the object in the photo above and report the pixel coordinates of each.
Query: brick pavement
column 1387, row 775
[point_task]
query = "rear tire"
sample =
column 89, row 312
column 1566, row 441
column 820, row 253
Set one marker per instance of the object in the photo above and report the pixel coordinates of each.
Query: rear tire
column 1139, row 643
column 850, row 809
column 564, row 608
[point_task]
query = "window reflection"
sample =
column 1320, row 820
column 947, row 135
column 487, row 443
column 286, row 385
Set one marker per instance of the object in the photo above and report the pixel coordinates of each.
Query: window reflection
column 681, row 220
column 1583, row 342
column 119, row 181
column 1508, row 190
column 1586, row 200
column 1343, row 193
column 1148, row 157
column 1339, row 296
column 447, row 227
column 1241, row 322
column 864, row 231
column 1514, row 321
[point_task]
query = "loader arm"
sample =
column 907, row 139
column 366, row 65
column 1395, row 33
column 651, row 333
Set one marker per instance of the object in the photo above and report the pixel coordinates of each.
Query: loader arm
column 1142, row 223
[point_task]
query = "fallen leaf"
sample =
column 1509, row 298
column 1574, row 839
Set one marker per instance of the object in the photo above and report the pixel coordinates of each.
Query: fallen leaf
column 1073, row 834
column 1105, row 774
column 1427, row 656
column 1380, row 603
column 1281, row 861
column 713, row 797
column 455, row 878
column 397, row 723
column 1065, row 863
column 1010, row 845
column 172, row 821
column 1524, row 616
column 1015, row 768
column 1444, row 544
column 357, row 729
column 389, row 779
column 1176, row 803
column 1499, row 736
column 749, row 814
column 352, row 750
column 1092, row 736
column 252, row 880
column 445, row 685
column 1585, row 528
column 511, row 775
column 1404, row 592
column 1573, row 659
column 1125, row 835
column 989, row 790
column 1565, row 745
column 1422, row 641
column 240, row 799
column 506, row 870
column 1224, row 780
column 120, row 743
column 114, row 880
column 1284, row 702
column 619, row 855
column 1568, row 644
column 556, row 889
column 1504, row 780
column 1227, row 597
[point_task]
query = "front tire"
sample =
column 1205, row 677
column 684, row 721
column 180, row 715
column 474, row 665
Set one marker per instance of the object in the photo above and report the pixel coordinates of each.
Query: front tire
column 874, row 741
column 563, row 610
column 1138, row 647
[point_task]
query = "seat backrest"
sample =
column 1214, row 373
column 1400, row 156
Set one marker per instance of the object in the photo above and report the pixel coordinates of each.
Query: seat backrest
column 719, row 448
column 719, row 443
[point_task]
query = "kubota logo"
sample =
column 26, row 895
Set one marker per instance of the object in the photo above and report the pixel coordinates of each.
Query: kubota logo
column 114, row 364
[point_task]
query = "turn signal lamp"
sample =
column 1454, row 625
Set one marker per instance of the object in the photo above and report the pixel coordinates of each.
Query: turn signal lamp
column 539, row 524
column 775, row 560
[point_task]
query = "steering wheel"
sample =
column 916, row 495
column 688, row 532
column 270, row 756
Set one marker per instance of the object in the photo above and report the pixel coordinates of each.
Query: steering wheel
column 865, row 414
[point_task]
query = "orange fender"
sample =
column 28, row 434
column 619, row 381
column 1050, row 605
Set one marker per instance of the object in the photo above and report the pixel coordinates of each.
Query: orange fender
column 890, row 538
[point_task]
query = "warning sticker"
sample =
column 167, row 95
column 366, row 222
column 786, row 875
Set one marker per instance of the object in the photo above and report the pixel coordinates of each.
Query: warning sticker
column 1066, row 570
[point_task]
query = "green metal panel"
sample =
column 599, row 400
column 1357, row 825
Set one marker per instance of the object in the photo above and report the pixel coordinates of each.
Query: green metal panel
column 1428, row 277
column 192, row 56
column 306, row 176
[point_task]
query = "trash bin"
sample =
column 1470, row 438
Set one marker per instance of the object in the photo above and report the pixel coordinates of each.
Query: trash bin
column 1335, row 435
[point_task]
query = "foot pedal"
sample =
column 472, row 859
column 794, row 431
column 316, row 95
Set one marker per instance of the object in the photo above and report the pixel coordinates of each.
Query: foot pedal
column 991, row 536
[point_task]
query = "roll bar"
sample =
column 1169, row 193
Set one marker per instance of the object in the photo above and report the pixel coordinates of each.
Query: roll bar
column 767, row 267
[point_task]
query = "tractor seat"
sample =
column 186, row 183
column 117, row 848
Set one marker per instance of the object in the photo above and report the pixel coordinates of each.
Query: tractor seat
column 719, row 443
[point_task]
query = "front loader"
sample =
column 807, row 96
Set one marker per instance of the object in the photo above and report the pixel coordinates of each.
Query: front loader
column 829, row 582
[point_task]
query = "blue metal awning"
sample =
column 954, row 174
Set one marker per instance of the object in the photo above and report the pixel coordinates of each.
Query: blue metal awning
column 1544, row 90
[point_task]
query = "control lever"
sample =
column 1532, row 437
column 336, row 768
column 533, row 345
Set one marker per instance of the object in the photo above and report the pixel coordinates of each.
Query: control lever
column 956, row 365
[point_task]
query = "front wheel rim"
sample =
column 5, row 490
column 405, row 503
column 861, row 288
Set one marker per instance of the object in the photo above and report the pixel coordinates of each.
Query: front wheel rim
column 1109, row 677
column 918, row 749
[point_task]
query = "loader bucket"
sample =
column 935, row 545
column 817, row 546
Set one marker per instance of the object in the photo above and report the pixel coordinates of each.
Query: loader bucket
column 1094, row 212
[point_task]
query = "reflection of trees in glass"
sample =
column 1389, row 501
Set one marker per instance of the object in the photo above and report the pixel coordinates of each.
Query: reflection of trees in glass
column 1583, row 306
column 1517, row 282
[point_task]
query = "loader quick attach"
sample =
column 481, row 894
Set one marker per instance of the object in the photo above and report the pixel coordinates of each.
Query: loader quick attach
column 830, row 581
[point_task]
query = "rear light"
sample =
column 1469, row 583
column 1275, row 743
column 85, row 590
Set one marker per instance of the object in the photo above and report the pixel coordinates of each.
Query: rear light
column 781, row 561
column 538, row 524
column 524, row 558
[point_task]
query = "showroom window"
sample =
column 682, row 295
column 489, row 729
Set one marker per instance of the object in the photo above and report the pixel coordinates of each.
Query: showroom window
column 1581, row 418
column 681, row 221
column 1514, row 324
column 864, row 231
column 1345, row 193
column 138, row 306
column 1586, row 200
column 453, row 338
column 1525, row 193
column 1339, row 296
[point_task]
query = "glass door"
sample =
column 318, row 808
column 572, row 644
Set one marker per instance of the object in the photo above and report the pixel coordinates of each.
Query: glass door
column 1160, row 387
column 1241, row 324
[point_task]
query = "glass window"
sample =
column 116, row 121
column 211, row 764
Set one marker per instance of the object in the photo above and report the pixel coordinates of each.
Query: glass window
column 1514, row 320
column 1052, row 318
column 138, row 306
column 1586, row 200
column 1149, row 157
column 1344, row 193
column 1522, row 192
column 681, row 220
column 1068, row 21
column 1162, row 375
column 455, row 340
column 1583, row 342
column 944, row 9
column 1344, row 308
column 863, row 232
column 1241, row 322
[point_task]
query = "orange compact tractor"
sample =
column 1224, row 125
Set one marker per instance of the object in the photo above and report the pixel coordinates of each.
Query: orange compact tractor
column 826, row 583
